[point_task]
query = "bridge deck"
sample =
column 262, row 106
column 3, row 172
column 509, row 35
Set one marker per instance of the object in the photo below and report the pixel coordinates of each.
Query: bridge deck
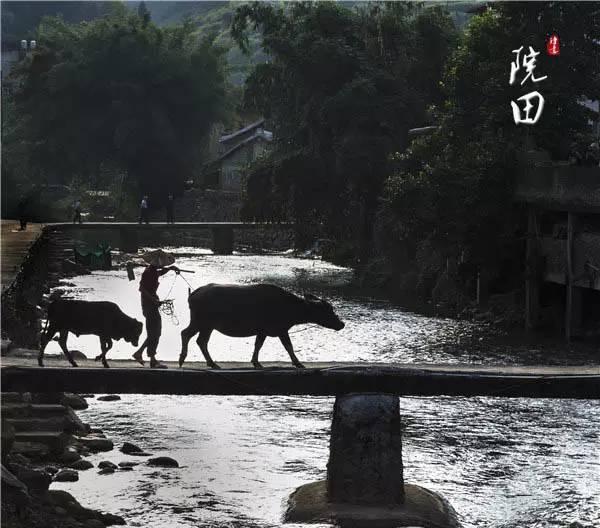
column 164, row 225
column 324, row 379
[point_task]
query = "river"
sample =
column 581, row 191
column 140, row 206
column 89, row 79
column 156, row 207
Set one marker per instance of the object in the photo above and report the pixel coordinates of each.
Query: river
column 502, row 463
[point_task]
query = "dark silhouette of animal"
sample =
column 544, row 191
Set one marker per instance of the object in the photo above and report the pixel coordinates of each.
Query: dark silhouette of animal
column 101, row 318
column 246, row 310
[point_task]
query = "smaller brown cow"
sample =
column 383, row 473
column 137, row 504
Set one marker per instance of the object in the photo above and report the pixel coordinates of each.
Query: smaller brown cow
column 101, row 318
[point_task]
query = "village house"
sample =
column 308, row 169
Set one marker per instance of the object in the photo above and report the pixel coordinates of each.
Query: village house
column 233, row 153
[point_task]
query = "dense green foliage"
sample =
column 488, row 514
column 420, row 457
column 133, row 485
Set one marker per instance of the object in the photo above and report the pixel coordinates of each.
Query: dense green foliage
column 451, row 196
column 118, row 91
column 342, row 89
column 212, row 19
column 344, row 86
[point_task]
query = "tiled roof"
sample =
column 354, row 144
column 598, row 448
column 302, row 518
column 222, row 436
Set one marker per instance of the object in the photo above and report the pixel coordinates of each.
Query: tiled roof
column 256, row 124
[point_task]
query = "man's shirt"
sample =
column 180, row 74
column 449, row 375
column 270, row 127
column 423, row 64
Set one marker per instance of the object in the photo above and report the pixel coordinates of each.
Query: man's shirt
column 149, row 280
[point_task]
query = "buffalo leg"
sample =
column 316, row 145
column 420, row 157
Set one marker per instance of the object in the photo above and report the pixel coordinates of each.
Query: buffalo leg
column 287, row 344
column 45, row 338
column 62, row 341
column 203, row 344
column 186, row 335
column 260, row 339
column 105, row 346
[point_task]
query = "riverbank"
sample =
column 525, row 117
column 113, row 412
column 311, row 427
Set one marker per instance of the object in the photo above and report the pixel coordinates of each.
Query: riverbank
column 44, row 441
column 15, row 247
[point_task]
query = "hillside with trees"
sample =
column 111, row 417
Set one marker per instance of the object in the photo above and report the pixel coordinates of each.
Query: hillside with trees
column 118, row 95
column 21, row 19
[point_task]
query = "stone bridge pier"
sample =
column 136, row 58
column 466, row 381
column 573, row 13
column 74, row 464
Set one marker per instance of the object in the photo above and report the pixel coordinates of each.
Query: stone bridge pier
column 365, row 476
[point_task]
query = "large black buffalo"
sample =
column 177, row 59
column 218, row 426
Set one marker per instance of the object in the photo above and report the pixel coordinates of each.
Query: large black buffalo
column 246, row 310
column 101, row 318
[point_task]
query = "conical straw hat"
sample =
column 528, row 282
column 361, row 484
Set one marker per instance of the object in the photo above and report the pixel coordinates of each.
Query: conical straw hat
column 159, row 258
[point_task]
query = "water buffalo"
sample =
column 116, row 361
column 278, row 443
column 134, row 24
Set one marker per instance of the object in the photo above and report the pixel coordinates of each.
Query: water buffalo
column 104, row 319
column 246, row 310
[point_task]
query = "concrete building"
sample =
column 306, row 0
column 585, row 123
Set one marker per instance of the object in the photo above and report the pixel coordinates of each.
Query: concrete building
column 234, row 152
column 563, row 244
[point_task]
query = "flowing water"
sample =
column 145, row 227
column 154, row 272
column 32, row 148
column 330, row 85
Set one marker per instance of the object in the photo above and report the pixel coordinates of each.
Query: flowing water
column 502, row 463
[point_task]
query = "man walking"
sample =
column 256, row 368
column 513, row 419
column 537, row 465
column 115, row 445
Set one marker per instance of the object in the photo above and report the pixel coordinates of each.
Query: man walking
column 144, row 209
column 22, row 210
column 77, row 211
column 170, row 207
column 159, row 264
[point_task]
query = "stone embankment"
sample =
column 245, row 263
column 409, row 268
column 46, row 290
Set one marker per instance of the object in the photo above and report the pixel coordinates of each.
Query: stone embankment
column 44, row 441
column 43, row 265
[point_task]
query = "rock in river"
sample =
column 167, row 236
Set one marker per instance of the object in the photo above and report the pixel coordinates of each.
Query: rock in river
column 74, row 401
column 125, row 465
column 81, row 465
column 109, row 397
column 69, row 456
column 130, row 449
column 163, row 461
column 96, row 444
column 66, row 475
column 107, row 464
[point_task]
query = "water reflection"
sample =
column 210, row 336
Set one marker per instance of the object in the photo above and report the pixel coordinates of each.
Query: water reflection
column 502, row 463
column 375, row 329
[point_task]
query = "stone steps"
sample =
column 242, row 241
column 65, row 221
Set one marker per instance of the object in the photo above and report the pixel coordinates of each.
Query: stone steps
column 33, row 450
column 55, row 441
column 15, row 397
column 53, row 424
column 41, row 424
column 33, row 410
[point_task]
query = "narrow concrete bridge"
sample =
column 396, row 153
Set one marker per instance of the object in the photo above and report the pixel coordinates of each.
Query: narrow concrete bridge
column 365, row 477
column 321, row 379
column 126, row 235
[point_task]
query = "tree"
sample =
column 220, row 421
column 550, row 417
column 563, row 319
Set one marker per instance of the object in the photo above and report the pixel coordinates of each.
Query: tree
column 453, row 191
column 120, row 91
column 143, row 13
column 341, row 90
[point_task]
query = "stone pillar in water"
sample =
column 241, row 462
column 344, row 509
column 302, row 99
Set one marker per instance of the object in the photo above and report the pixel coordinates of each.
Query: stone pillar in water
column 365, row 454
column 128, row 239
column 222, row 240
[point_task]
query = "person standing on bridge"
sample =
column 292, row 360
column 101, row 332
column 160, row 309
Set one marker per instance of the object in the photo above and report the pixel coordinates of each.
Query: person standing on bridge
column 170, row 208
column 159, row 263
column 77, row 211
column 144, row 209
column 22, row 208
